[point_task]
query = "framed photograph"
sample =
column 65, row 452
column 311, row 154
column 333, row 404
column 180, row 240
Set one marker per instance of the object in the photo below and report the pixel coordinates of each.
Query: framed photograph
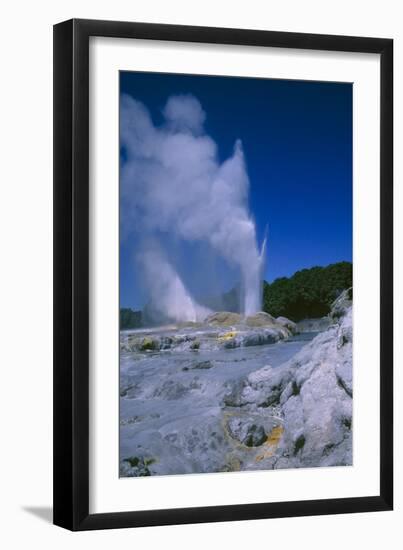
column 223, row 237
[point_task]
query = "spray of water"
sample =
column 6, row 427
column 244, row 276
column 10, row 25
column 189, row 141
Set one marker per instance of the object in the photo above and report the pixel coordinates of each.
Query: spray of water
column 173, row 183
column 169, row 298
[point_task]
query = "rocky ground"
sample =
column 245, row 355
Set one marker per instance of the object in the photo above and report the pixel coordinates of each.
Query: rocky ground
column 217, row 397
column 312, row 394
column 314, row 325
column 222, row 330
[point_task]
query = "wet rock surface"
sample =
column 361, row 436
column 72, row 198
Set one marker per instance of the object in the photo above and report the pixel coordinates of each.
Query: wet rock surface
column 247, row 432
column 313, row 393
column 338, row 310
column 314, row 325
column 223, row 318
column 220, row 397
column 220, row 330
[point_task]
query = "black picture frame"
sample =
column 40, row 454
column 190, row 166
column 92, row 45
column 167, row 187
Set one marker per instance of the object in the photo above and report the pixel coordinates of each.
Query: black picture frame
column 71, row 274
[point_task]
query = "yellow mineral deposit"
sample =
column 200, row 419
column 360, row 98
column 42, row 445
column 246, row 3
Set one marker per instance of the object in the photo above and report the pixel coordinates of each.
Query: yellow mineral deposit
column 271, row 443
column 227, row 335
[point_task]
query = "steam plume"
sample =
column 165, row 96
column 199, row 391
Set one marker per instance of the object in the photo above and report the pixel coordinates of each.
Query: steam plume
column 173, row 183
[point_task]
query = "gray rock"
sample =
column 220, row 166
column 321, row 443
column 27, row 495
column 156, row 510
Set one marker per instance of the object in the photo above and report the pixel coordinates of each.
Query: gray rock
column 314, row 325
column 221, row 419
column 263, row 387
column 173, row 390
column 235, row 397
column 247, row 432
column 313, row 392
column 136, row 466
column 223, row 318
column 221, row 330
column 199, row 365
column 341, row 305
column 289, row 325
column 260, row 319
column 259, row 338
column 317, row 404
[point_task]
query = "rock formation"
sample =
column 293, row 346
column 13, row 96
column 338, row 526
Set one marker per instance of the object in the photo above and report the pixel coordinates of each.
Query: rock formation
column 312, row 394
column 223, row 329
column 187, row 404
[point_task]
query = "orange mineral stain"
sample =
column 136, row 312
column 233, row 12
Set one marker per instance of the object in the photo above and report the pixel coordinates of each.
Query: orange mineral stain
column 271, row 443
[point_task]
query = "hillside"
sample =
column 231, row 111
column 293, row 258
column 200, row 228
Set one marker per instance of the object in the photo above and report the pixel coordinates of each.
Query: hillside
column 309, row 293
column 129, row 318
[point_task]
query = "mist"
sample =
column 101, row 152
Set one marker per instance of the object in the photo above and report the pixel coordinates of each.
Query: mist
column 173, row 186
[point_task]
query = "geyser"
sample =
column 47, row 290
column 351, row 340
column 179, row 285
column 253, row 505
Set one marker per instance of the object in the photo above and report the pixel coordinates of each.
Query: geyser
column 169, row 297
column 172, row 183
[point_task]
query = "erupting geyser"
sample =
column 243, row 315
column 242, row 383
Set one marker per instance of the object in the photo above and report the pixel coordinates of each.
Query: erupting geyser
column 172, row 183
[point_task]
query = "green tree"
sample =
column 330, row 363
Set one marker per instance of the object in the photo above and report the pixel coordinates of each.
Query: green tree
column 308, row 293
column 129, row 318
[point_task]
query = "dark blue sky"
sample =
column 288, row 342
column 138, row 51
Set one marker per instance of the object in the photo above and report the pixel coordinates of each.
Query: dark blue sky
column 297, row 140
